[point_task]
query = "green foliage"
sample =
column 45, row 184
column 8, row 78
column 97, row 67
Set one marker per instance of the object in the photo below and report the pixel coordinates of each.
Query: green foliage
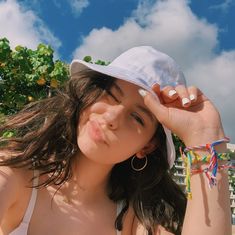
column 8, row 134
column 178, row 144
column 27, row 75
column 87, row 58
column 100, row 62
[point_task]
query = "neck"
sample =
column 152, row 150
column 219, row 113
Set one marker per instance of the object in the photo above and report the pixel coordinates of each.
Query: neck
column 89, row 182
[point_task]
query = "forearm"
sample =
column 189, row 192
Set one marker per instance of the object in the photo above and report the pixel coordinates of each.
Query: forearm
column 208, row 212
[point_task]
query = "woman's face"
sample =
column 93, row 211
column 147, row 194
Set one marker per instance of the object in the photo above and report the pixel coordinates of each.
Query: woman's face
column 117, row 126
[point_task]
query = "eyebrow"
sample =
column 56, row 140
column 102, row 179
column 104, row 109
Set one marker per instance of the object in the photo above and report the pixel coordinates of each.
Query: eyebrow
column 140, row 107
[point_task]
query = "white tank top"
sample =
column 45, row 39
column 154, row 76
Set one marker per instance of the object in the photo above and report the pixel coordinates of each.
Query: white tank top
column 22, row 229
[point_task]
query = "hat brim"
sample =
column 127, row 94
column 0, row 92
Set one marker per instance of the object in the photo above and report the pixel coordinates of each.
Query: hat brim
column 123, row 74
column 113, row 71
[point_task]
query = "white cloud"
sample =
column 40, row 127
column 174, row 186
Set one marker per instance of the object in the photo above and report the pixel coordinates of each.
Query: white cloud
column 172, row 27
column 24, row 27
column 216, row 78
column 168, row 25
column 78, row 6
column 224, row 7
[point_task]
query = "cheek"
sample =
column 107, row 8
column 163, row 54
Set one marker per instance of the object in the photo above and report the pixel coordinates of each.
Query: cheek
column 84, row 116
column 85, row 146
column 119, row 149
column 98, row 107
column 133, row 143
column 88, row 147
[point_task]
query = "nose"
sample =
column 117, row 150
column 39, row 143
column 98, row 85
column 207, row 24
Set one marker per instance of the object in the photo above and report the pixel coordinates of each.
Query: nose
column 113, row 116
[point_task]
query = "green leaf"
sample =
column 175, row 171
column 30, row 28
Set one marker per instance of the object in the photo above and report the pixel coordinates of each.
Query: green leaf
column 8, row 134
column 19, row 48
column 87, row 58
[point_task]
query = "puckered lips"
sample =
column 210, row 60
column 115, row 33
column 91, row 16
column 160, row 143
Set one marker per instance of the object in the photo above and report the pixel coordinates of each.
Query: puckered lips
column 96, row 132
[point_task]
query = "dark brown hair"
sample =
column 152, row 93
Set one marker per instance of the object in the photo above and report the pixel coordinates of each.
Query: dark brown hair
column 46, row 140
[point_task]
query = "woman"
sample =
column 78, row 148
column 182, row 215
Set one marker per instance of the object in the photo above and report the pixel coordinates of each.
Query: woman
column 99, row 152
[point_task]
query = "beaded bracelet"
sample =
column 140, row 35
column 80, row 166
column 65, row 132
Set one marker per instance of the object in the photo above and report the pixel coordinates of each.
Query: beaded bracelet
column 197, row 158
column 210, row 173
column 193, row 158
column 222, row 167
column 207, row 146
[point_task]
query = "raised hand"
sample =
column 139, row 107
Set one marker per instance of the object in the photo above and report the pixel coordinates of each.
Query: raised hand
column 196, row 122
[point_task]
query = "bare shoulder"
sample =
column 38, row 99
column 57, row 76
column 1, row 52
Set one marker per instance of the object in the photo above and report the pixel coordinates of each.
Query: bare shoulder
column 12, row 183
column 9, row 179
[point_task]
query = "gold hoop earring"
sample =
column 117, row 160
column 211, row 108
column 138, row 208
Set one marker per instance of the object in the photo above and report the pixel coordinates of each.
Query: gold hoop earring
column 141, row 168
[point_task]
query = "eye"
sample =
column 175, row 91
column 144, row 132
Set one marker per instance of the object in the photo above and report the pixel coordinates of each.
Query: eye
column 138, row 118
column 135, row 115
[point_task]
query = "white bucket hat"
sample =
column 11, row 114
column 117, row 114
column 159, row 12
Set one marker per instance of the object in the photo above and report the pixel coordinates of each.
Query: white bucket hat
column 143, row 66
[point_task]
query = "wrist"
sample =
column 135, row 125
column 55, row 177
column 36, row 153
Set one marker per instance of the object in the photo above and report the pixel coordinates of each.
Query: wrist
column 205, row 137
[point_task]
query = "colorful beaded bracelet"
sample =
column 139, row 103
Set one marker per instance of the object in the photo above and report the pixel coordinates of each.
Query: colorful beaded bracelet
column 197, row 158
column 207, row 147
column 222, row 167
column 192, row 158
column 209, row 171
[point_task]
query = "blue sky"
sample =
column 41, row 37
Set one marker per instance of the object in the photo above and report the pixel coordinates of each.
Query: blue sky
column 70, row 24
column 200, row 35
column 220, row 13
column 72, row 27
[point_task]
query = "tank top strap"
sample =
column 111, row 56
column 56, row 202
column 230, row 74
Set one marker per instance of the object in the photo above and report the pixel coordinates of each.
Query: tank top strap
column 32, row 202
column 119, row 209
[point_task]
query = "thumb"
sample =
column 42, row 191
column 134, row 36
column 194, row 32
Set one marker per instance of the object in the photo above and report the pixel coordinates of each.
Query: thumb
column 153, row 103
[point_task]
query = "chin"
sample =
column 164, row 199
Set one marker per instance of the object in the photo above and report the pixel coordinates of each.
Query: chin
column 97, row 154
column 86, row 146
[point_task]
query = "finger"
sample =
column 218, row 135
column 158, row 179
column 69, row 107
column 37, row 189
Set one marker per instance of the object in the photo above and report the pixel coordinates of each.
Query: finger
column 199, row 98
column 169, row 94
column 193, row 93
column 157, row 91
column 183, row 95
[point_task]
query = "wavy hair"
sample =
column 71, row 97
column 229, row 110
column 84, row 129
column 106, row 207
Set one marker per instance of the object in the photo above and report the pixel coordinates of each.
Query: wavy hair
column 46, row 140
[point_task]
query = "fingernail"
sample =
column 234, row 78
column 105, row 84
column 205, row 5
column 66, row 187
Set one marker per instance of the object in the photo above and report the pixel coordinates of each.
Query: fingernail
column 171, row 92
column 192, row 97
column 185, row 101
column 142, row 92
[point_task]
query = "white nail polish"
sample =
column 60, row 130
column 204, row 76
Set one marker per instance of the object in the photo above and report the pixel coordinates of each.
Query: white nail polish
column 142, row 92
column 171, row 92
column 185, row 101
column 192, row 97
